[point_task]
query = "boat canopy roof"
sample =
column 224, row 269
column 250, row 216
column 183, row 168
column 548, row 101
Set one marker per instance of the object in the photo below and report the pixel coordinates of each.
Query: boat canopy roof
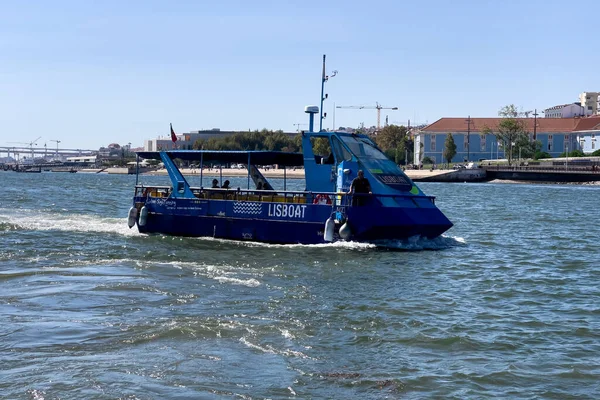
column 257, row 157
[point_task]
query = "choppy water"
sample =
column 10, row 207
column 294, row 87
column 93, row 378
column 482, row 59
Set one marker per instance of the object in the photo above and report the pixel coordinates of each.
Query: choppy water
column 506, row 305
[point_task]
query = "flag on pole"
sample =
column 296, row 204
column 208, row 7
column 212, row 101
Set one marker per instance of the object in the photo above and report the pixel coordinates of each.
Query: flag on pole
column 173, row 136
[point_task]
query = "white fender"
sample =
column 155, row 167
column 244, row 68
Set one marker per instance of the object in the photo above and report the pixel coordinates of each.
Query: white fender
column 329, row 229
column 143, row 216
column 131, row 217
column 345, row 231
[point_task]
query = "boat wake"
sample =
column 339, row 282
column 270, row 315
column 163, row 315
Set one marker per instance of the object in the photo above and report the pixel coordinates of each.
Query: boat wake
column 414, row 243
column 43, row 221
column 417, row 243
column 339, row 245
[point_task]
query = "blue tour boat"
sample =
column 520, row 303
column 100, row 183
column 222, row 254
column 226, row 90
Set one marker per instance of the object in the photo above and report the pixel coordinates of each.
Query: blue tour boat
column 324, row 212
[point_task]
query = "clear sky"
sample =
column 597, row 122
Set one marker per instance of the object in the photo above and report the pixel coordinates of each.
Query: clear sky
column 90, row 73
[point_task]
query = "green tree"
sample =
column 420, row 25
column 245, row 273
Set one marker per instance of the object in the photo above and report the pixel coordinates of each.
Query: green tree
column 256, row 140
column 510, row 131
column 525, row 148
column 540, row 155
column 391, row 137
column 400, row 156
column 509, row 111
column 574, row 153
column 275, row 141
column 320, row 146
column 427, row 160
column 449, row 148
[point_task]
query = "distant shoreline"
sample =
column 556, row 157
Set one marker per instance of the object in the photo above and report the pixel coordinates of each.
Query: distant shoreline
column 233, row 172
column 426, row 175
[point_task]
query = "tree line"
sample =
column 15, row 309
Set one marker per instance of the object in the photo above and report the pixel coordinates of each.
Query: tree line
column 393, row 140
column 255, row 140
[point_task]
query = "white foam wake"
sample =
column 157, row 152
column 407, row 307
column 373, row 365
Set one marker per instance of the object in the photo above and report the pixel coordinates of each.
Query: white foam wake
column 44, row 221
column 420, row 243
column 340, row 244
column 413, row 243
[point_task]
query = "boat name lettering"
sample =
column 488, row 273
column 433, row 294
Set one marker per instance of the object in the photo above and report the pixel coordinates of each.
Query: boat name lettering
column 287, row 210
column 162, row 202
column 391, row 179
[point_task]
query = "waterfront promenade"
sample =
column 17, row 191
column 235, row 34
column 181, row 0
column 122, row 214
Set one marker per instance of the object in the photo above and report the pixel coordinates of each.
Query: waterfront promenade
column 491, row 173
column 415, row 175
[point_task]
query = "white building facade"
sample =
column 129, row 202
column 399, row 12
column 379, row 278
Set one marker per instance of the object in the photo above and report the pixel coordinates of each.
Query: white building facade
column 589, row 101
column 565, row 111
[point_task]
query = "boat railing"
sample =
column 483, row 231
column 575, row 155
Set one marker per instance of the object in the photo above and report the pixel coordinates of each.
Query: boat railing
column 338, row 199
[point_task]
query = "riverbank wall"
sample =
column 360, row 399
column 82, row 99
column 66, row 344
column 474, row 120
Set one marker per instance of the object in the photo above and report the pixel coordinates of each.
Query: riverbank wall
column 460, row 175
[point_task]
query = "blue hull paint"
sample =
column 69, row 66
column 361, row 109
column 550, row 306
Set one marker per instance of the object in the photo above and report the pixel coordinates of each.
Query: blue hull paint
column 376, row 223
column 298, row 223
column 236, row 229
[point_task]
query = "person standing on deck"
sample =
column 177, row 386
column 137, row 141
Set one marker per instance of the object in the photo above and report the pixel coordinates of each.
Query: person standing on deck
column 360, row 185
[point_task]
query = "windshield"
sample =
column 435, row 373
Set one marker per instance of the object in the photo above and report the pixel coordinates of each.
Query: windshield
column 377, row 163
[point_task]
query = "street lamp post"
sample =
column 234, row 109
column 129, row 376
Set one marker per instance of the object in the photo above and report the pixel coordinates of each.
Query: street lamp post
column 535, row 114
column 468, row 121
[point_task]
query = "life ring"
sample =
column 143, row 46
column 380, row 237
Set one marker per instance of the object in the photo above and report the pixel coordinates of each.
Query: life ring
column 322, row 199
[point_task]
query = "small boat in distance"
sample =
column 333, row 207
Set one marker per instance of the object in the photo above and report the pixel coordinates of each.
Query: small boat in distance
column 324, row 212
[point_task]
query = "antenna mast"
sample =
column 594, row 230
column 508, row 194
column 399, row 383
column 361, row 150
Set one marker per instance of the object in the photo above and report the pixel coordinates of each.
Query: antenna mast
column 322, row 96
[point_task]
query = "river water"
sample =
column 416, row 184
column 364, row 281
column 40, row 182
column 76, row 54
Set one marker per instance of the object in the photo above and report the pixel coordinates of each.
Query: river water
column 505, row 305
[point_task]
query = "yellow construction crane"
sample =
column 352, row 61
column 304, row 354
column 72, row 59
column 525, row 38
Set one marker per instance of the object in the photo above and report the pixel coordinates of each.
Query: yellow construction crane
column 378, row 107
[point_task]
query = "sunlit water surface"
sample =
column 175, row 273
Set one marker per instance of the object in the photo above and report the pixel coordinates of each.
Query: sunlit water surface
column 505, row 305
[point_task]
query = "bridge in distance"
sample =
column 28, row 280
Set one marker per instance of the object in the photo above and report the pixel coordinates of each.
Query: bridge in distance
column 19, row 152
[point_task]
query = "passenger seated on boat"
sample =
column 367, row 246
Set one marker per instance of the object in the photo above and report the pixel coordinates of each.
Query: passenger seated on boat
column 215, row 184
column 225, row 185
column 259, row 185
column 360, row 185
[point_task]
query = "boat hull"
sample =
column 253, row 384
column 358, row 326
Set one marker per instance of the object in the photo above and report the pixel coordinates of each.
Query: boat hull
column 287, row 223
column 267, row 231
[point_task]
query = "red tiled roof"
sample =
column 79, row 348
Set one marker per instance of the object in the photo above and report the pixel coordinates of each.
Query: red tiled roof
column 589, row 123
column 547, row 125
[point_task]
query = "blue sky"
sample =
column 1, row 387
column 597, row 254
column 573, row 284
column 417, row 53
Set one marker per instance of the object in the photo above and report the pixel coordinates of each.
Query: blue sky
column 90, row 73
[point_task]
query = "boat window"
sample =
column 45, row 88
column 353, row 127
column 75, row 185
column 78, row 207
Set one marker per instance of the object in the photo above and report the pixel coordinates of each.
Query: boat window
column 322, row 150
column 377, row 163
column 341, row 153
column 362, row 147
column 320, row 146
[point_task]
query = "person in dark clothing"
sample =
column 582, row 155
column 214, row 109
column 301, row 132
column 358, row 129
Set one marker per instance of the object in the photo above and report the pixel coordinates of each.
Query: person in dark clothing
column 215, row 184
column 361, row 185
column 225, row 185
